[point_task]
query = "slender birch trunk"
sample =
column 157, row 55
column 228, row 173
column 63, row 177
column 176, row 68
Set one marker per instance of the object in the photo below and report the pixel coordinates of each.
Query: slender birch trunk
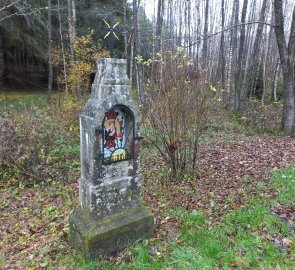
column 62, row 48
column 205, row 41
column 50, row 67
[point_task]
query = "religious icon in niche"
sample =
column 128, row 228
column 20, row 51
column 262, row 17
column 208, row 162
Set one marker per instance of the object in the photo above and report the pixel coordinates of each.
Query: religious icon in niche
column 117, row 135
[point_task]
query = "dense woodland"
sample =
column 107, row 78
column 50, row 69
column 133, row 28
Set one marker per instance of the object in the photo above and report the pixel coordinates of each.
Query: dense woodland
column 187, row 60
column 245, row 47
column 25, row 32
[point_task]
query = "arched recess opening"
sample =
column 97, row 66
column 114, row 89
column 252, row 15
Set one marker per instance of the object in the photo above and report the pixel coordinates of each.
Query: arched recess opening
column 118, row 134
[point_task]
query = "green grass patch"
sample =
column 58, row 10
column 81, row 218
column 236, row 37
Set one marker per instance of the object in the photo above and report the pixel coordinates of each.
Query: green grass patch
column 22, row 100
column 284, row 182
column 237, row 241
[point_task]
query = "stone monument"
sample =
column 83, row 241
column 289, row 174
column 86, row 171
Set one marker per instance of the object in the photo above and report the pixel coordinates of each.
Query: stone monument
column 110, row 214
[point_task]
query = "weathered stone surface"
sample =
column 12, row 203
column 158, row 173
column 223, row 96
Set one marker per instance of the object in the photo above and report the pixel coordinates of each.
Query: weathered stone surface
column 106, row 236
column 107, row 190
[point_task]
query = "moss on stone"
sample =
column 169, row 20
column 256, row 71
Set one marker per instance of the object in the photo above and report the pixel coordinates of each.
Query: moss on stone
column 94, row 238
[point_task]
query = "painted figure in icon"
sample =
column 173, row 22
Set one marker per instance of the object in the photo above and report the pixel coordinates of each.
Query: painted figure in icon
column 113, row 132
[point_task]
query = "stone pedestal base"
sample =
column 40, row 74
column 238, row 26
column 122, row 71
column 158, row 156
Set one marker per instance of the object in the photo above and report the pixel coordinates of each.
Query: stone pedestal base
column 103, row 237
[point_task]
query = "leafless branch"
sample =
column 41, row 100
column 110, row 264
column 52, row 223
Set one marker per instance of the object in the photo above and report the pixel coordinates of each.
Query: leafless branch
column 22, row 14
column 227, row 29
column 10, row 5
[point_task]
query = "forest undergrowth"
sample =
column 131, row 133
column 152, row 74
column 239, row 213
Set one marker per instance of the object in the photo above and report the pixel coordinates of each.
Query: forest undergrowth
column 235, row 211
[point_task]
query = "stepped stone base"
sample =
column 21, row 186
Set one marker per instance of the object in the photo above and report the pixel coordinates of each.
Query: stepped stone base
column 104, row 237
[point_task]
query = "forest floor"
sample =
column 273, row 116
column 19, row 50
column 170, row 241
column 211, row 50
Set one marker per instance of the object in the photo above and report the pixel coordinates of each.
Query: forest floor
column 236, row 212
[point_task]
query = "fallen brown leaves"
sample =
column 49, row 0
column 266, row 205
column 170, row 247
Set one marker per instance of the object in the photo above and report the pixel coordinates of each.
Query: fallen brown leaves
column 33, row 226
column 229, row 174
column 286, row 213
column 33, row 222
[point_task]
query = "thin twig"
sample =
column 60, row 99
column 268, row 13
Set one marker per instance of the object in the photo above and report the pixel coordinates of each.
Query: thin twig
column 6, row 7
column 22, row 14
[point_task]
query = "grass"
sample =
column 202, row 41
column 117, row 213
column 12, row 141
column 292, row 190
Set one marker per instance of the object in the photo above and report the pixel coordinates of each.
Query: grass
column 18, row 100
column 238, row 241
column 284, row 183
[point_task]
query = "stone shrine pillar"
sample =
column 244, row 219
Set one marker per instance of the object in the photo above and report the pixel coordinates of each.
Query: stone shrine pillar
column 110, row 214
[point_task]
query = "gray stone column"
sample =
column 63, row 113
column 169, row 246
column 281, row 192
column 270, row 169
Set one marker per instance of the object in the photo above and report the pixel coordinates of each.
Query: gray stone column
column 110, row 214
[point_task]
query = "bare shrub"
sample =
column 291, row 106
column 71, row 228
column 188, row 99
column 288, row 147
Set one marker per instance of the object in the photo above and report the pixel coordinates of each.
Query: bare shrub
column 38, row 146
column 176, row 109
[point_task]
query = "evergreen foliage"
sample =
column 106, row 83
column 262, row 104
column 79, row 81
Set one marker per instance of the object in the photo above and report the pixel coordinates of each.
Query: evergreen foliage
column 23, row 31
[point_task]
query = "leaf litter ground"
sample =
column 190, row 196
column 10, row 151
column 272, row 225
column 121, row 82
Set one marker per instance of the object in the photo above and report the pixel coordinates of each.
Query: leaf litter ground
column 34, row 221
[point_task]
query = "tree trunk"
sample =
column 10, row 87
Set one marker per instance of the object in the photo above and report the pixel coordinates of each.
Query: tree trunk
column 253, row 69
column 189, row 28
column 73, row 5
column 205, row 41
column 131, row 57
column 287, row 63
column 238, row 74
column 62, row 48
column 72, row 41
column 275, row 82
column 180, row 26
column 71, row 35
column 234, row 46
column 50, row 68
column 159, row 24
column 198, row 26
column 137, row 50
column 125, row 28
column 2, row 60
column 222, row 49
